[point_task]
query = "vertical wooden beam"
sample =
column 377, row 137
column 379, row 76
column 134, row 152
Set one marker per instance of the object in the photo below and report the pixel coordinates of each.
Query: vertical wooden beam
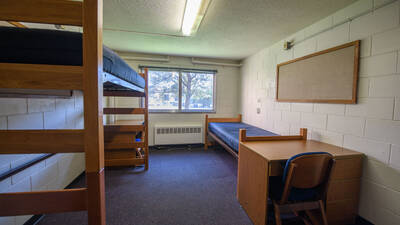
column 93, row 108
column 242, row 135
column 240, row 118
column 96, row 199
column 303, row 133
column 146, row 119
column 206, row 133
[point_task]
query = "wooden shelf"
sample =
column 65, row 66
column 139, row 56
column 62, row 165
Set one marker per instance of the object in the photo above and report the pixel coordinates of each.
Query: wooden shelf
column 125, row 162
column 108, row 111
column 133, row 145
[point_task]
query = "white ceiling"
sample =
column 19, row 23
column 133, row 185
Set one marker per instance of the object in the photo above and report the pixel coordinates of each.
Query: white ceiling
column 232, row 29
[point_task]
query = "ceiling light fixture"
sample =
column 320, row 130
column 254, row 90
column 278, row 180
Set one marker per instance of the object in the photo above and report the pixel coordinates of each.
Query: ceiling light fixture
column 195, row 11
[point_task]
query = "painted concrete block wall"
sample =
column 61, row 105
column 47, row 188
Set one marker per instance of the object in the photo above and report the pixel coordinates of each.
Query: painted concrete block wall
column 53, row 173
column 227, row 92
column 372, row 126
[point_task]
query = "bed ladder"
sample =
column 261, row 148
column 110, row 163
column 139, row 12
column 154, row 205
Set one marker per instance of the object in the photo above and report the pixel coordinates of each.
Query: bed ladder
column 120, row 145
column 87, row 78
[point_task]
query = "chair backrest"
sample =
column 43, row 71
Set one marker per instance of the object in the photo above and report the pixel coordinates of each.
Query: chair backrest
column 308, row 170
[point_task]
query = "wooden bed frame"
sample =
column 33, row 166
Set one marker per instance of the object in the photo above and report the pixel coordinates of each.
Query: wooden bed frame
column 242, row 134
column 215, row 138
column 87, row 78
column 121, row 148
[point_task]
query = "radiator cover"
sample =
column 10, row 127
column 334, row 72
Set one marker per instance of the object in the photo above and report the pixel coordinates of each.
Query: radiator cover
column 182, row 133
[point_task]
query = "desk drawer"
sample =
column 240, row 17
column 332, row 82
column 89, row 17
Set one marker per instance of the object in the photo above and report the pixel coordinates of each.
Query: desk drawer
column 344, row 189
column 348, row 168
column 342, row 211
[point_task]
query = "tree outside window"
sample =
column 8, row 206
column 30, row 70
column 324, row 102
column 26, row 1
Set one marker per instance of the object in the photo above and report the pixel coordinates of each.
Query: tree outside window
column 181, row 90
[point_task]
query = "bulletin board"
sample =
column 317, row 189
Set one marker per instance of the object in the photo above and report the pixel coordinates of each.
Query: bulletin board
column 328, row 76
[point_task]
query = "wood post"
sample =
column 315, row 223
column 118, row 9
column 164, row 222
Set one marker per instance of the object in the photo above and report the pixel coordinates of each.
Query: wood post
column 303, row 133
column 206, row 133
column 146, row 119
column 93, row 109
column 242, row 135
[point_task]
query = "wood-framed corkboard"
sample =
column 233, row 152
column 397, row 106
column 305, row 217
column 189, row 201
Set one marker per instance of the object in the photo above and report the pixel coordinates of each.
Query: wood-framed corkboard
column 328, row 76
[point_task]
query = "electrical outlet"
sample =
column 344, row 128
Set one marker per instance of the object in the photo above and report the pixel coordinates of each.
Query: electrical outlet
column 258, row 110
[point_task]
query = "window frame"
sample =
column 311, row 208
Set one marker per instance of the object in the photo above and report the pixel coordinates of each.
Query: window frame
column 180, row 71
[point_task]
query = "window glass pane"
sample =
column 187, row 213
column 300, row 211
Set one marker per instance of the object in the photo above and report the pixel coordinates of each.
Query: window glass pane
column 197, row 91
column 163, row 90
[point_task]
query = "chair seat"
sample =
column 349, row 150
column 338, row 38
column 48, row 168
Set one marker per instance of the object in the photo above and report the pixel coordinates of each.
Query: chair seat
column 296, row 194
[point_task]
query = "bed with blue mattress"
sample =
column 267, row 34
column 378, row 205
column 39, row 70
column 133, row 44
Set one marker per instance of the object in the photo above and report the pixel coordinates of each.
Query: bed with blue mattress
column 229, row 132
column 226, row 132
column 54, row 47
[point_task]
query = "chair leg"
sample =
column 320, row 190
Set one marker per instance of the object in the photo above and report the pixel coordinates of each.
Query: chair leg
column 277, row 213
column 314, row 217
column 323, row 214
column 303, row 217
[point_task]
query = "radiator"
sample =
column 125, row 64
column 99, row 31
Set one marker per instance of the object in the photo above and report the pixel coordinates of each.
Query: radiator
column 172, row 134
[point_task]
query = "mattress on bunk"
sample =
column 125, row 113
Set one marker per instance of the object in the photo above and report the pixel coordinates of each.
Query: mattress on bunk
column 54, row 47
column 229, row 132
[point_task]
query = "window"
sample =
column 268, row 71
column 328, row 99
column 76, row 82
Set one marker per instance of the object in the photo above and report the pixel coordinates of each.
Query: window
column 163, row 90
column 181, row 90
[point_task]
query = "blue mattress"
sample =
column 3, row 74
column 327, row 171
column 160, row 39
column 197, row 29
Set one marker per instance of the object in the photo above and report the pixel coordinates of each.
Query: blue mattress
column 53, row 47
column 229, row 132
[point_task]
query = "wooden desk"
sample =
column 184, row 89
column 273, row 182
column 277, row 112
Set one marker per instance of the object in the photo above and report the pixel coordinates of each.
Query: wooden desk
column 260, row 159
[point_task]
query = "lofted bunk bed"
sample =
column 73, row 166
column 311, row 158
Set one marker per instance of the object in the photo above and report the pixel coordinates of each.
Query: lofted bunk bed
column 53, row 47
column 51, row 60
column 126, row 141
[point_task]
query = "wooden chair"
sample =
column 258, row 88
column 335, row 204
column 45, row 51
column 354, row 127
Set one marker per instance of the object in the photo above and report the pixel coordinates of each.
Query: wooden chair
column 303, row 187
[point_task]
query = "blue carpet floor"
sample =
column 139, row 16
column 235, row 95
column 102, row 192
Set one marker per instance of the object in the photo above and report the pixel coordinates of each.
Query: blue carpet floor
column 182, row 186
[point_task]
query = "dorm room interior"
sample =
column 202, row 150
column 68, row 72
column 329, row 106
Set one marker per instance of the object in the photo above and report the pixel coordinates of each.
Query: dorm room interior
column 208, row 112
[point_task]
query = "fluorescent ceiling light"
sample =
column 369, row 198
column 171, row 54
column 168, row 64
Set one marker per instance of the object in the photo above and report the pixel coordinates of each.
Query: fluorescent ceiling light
column 194, row 14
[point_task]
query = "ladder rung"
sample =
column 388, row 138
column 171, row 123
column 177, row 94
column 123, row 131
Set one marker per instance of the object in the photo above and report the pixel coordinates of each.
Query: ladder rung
column 111, row 145
column 41, row 141
column 124, row 110
column 40, row 202
column 36, row 76
column 124, row 162
column 123, row 128
column 64, row 12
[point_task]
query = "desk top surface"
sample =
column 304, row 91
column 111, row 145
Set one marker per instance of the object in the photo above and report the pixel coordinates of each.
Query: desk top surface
column 284, row 149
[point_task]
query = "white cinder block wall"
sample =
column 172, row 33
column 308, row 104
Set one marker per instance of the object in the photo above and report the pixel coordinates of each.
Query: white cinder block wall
column 53, row 173
column 372, row 126
column 226, row 100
